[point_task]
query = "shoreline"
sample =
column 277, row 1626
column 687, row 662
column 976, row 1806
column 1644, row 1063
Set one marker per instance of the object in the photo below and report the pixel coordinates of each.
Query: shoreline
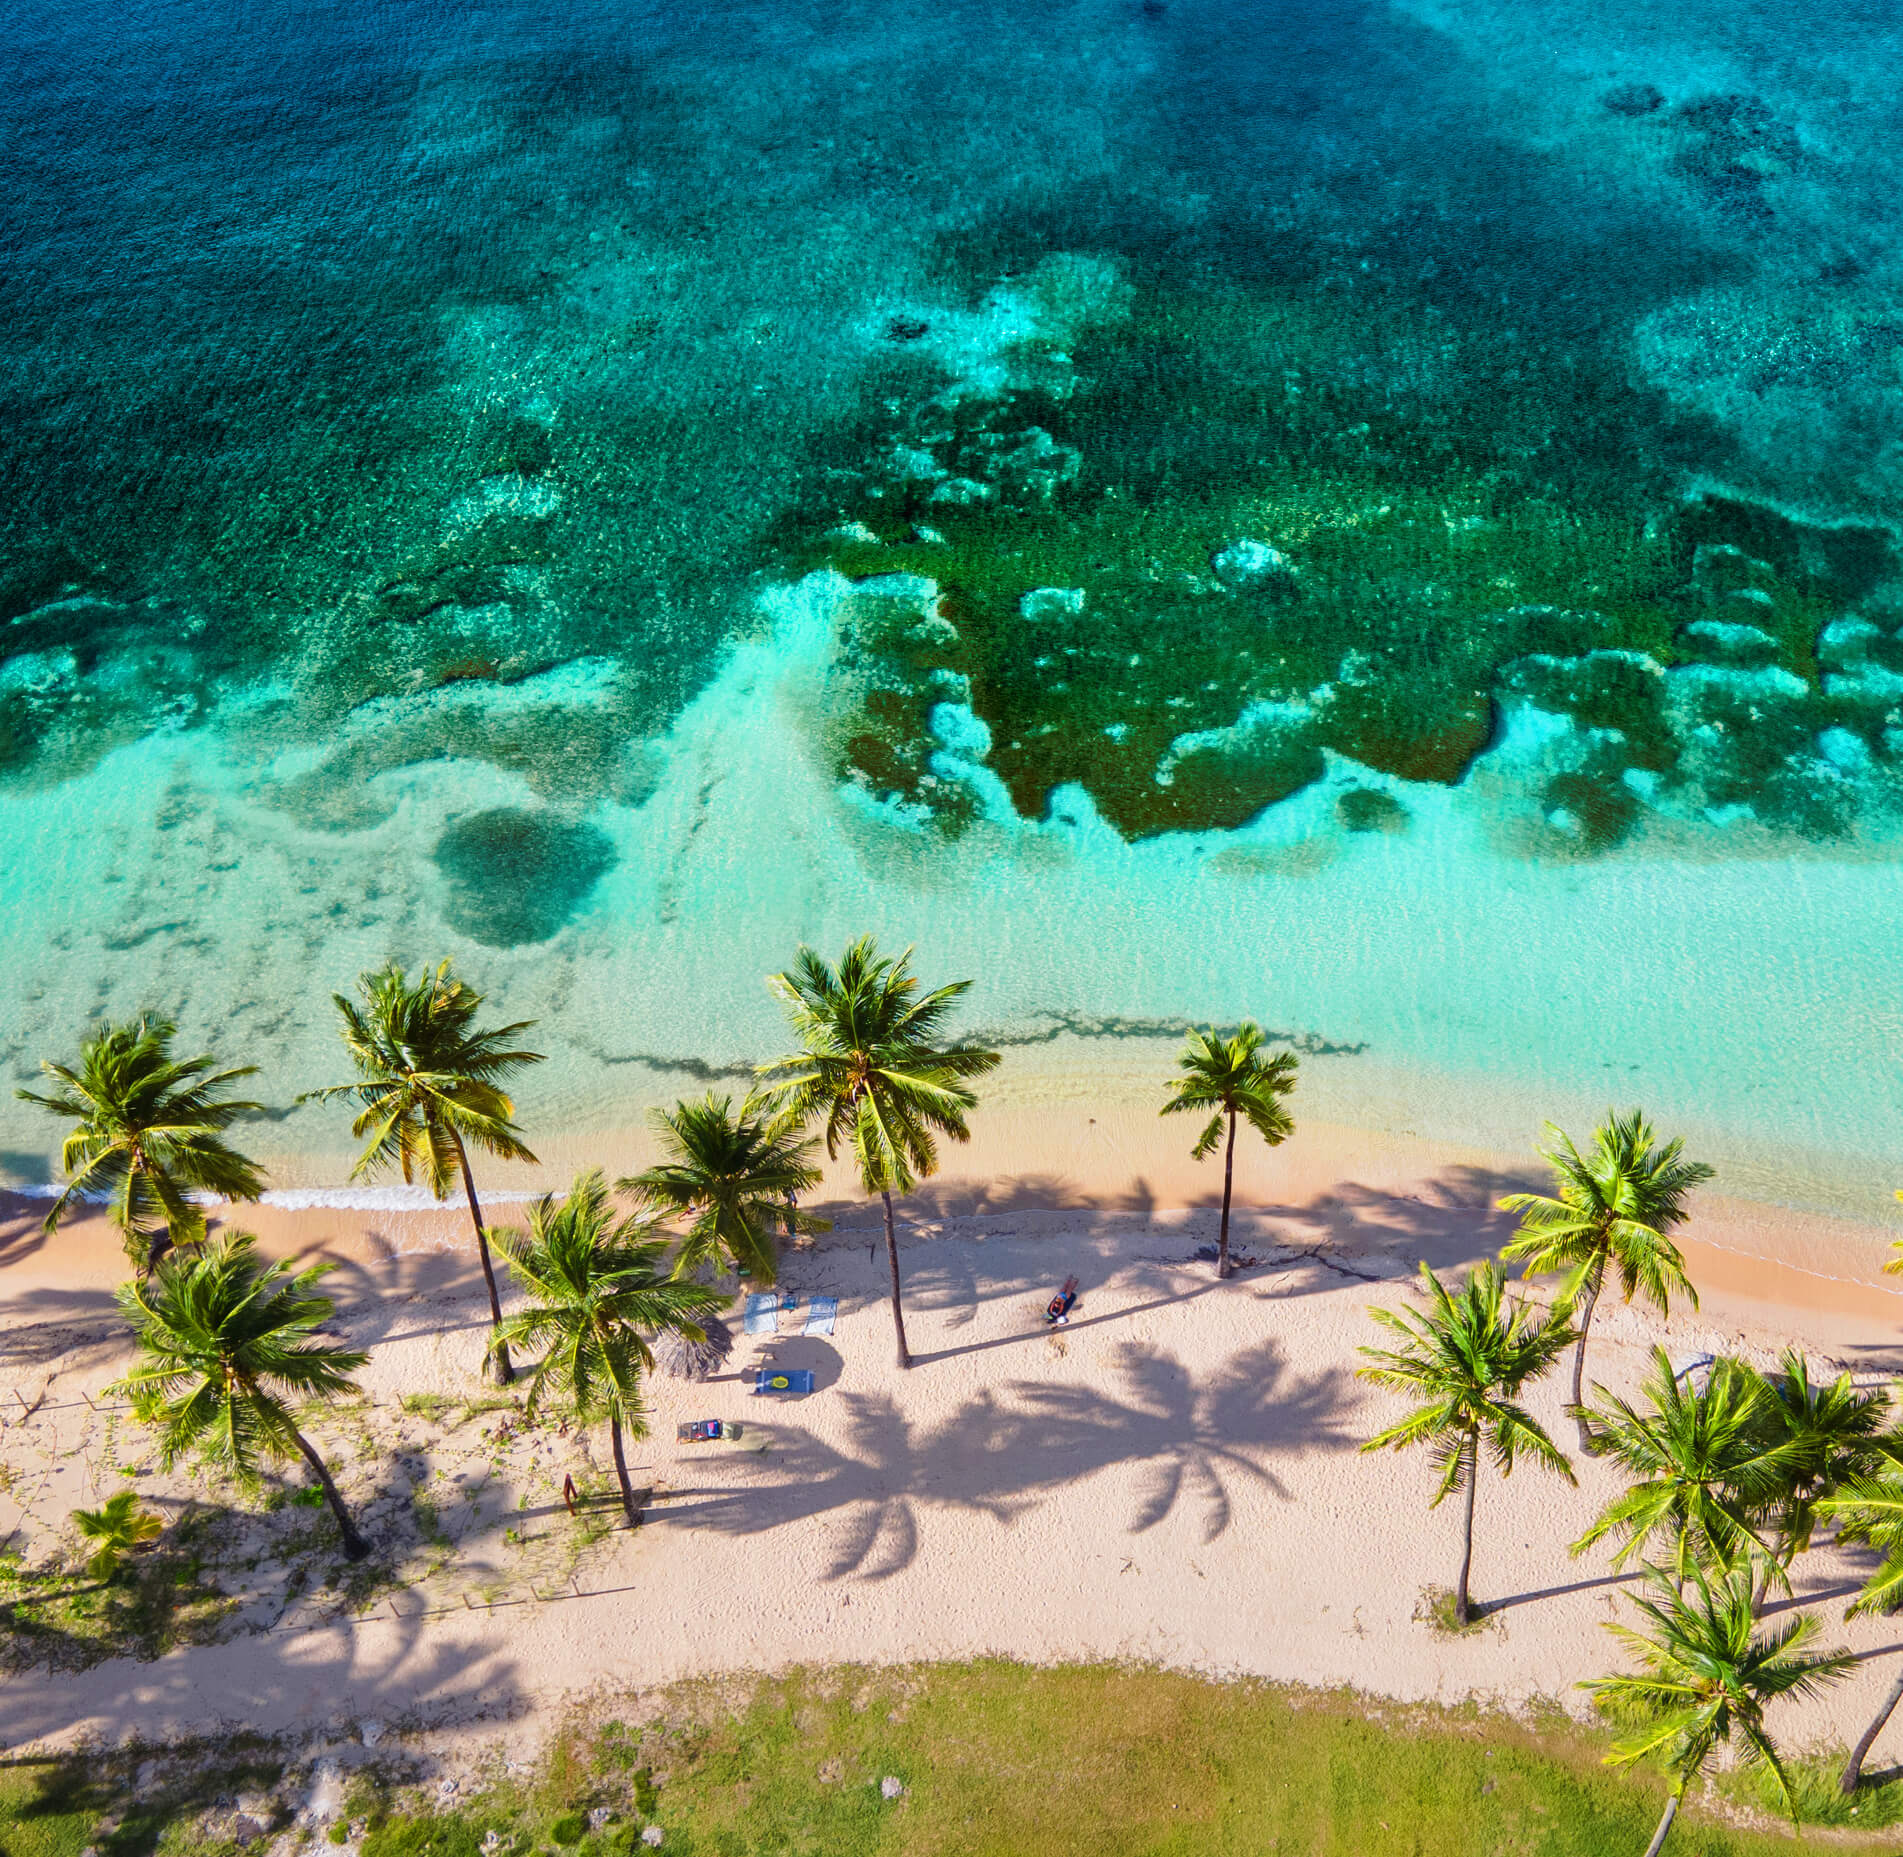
column 1109, row 1153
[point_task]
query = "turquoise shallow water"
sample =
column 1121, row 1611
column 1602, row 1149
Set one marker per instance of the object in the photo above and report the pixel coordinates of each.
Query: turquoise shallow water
column 1382, row 517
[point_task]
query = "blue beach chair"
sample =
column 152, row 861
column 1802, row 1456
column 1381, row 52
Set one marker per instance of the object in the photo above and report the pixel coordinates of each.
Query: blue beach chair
column 786, row 1382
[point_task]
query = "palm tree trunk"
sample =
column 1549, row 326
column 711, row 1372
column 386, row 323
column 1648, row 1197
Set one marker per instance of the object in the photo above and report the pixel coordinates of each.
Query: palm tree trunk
column 1467, row 1547
column 1665, row 1825
column 628, row 1505
column 892, row 1257
column 499, row 1353
column 1587, row 1443
column 355, row 1546
column 1853, row 1767
column 158, row 1242
column 1228, row 1181
column 1780, row 1564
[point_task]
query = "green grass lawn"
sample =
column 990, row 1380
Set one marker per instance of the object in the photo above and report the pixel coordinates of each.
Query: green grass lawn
column 998, row 1760
column 38, row 1815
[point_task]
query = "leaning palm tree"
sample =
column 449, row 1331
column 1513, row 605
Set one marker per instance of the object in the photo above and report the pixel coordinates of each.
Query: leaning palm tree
column 873, row 1065
column 736, row 1177
column 1467, row 1360
column 149, row 1132
column 1706, row 1674
column 597, row 1288
column 1229, row 1079
column 1869, row 1510
column 118, row 1527
column 428, row 1085
column 1615, row 1209
column 227, row 1345
column 1706, row 1468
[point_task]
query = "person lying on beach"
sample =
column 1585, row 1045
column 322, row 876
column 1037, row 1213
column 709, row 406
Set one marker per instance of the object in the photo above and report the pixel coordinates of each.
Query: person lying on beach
column 1057, row 1311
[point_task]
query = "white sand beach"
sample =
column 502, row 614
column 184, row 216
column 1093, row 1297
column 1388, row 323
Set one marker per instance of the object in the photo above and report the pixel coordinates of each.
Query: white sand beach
column 1173, row 1476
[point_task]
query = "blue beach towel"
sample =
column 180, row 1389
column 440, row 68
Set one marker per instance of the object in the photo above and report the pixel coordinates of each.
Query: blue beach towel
column 762, row 1313
column 820, row 1314
column 783, row 1380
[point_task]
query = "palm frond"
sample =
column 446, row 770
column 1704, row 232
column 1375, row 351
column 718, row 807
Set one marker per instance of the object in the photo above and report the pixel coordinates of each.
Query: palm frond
column 1466, row 1358
column 598, row 1291
column 1706, row 1673
column 1229, row 1077
column 224, row 1341
column 148, row 1131
column 1706, row 1471
column 871, row 1068
column 426, row 1084
column 1614, row 1208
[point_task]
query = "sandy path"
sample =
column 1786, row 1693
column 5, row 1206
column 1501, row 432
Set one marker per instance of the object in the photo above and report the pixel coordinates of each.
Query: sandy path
column 1173, row 1476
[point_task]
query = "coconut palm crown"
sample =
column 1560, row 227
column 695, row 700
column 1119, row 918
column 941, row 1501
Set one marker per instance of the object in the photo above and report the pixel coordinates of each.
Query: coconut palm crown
column 228, row 1344
column 1230, row 1079
column 735, row 1178
column 148, row 1133
column 1825, row 1433
column 597, row 1287
column 875, row 1069
column 1705, row 1675
column 1466, row 1360
column 1614, row 1209
column 429, row 1089
column 1706, row 1468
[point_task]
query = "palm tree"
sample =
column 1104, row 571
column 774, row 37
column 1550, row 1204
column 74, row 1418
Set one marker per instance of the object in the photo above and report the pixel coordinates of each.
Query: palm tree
column 1822, row 1434
column 1705, row 1675
column 597, row 1288
column 1229, row 1078
column 428, row 1086
column 1467, row 1360
column 736, row 1177
column 1705, row 1467
column 1869, row 1509
column 872, row 1064
column 1615, row 1208
column 227, row 1343
column 118, row 1527
column 149, row 1133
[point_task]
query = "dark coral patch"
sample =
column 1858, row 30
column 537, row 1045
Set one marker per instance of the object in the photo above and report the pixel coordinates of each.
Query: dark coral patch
column 515, row 876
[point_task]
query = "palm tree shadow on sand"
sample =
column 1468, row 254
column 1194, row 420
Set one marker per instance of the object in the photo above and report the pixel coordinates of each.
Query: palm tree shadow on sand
column 1199, row 1438
column 1001, row 1457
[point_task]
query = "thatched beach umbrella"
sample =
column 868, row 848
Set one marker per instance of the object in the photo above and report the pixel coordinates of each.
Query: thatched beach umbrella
column 695, row 1360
